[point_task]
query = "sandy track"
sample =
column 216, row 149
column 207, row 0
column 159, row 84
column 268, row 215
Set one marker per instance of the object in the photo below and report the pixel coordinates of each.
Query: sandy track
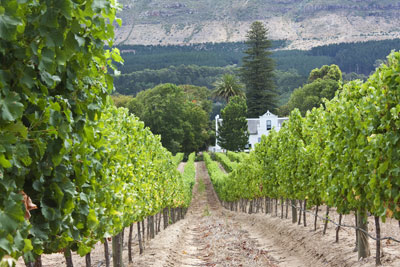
column 212, row 236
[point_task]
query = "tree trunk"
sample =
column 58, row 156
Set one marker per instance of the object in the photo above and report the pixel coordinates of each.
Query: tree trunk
column 139, row 239
column 281, row 207
column 148, row 228
column 173, row 215
column 287, row 207
column 156, row 224
column 300, row 211
column 117, row 250
column 338, row 228
column 29, row 264
column 276, row 207
column 363, row 244
column 68, row 258
column 294, row 211
column 152, row 235
column 143, row 231
column 36, row 263
column 326, row 220
column 130, row 244
column 356, row 247
column 378, row 241
column 159, row 222
column 106, row 253
column 251, row 206
column 315, row 218
column 266, row 205
column 304, row 213
column 165, row 217
column 88, row 260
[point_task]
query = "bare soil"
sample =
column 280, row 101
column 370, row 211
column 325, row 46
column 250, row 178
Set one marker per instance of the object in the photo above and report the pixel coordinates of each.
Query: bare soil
column 208, row 236
column 211, row 235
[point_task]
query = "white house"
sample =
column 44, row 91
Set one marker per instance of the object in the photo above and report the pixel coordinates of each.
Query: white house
column 257, row 128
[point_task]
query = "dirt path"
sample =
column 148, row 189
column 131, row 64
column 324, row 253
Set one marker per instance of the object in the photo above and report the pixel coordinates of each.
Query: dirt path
column 213, row 236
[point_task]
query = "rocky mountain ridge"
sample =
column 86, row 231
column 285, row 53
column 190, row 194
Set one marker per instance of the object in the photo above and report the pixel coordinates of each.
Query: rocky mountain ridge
column 303, row 23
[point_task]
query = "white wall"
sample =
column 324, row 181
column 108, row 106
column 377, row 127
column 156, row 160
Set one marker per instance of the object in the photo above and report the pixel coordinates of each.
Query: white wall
column 261, row 129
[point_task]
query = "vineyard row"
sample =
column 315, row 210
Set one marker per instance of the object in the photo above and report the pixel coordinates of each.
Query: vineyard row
column 344, row 154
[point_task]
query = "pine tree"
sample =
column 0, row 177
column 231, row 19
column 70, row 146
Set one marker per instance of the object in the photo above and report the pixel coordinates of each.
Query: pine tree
column 233, row 133
column 257, row 72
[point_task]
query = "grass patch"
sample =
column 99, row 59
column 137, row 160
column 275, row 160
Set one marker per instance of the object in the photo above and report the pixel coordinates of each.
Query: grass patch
column 206, row 211
column 202, row 187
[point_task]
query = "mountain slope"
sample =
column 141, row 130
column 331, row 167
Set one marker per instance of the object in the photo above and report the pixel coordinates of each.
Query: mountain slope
column 304, row 23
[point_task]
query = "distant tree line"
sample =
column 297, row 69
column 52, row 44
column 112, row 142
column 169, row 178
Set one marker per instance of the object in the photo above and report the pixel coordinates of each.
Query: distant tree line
column 357, row 57
column 133, row 83
column 140, row 57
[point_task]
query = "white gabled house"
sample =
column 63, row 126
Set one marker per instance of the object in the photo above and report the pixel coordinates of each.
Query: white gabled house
column 257, row 127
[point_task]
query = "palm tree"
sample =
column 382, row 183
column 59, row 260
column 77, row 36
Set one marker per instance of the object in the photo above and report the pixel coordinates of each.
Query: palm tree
column 228, row 86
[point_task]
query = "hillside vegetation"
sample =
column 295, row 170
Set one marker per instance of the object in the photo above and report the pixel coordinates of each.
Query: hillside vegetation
column 306, row 23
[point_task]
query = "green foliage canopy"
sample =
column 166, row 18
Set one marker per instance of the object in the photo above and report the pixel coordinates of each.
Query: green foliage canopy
column 178, row 114
column 228, row 86
column 322, row 84
column 90, row 168
column 344, row 154
column 233, row 134
column 257, row 72
column 53, row 85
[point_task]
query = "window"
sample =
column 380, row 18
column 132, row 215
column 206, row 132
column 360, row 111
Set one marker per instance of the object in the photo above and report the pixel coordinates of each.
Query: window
column 259, row 139
column 269, row 126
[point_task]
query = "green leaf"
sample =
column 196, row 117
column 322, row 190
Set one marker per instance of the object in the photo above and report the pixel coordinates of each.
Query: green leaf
column 66, row 9
column 83, row 250
column 48, row 56
column 98, row 5
column 5, row 244
column 8, row 27
column 49, row 79
column 8, row 223
column 92, row 221
column 28, row 246
column 10, row 108
column 383, row 167
column 80, row 40
column 68, row 206
column 48, row 213
column 4, row 162
column 19, row 128
column 28, row 78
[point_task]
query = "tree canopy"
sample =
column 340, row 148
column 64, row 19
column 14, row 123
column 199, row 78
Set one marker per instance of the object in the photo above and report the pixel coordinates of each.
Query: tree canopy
column 322, row 83
column 178, row 114
column 228, row 86
column 257, row 72
column 233, row 132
